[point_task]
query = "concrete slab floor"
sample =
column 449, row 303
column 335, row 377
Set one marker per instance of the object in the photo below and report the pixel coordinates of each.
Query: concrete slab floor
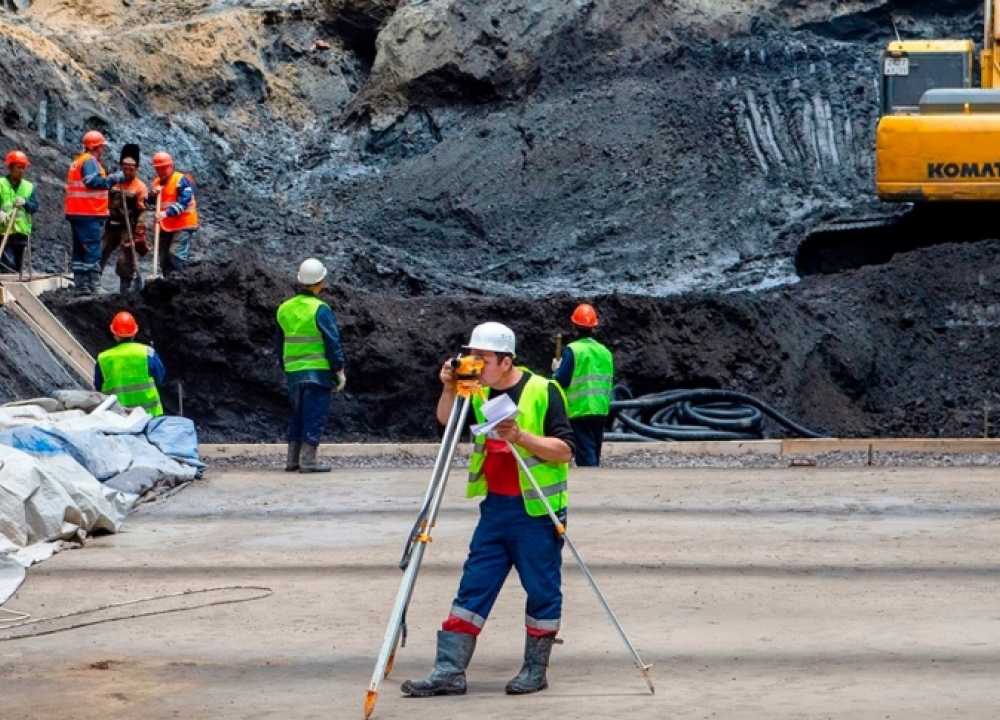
column 798, row 593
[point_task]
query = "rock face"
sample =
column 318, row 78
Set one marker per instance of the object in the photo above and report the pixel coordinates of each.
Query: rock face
column 452, row 160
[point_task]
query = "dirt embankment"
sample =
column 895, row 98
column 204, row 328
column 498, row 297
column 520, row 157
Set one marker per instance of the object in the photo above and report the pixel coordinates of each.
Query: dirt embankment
column 906, row 349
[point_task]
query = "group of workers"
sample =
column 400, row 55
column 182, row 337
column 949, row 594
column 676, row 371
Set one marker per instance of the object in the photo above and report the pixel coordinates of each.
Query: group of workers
column 105, row 213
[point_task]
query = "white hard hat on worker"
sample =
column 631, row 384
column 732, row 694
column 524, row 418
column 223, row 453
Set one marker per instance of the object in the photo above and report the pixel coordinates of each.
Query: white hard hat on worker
column 311, row 271
column 495, row 344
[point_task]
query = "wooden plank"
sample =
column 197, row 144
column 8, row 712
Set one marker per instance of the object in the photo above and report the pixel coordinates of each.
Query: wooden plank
column 911, row 445
column 30, row 309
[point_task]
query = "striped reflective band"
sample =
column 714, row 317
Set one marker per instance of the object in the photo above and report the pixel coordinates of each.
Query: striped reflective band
column 550, row 625
column 547, row 492
column 468, row 616
column 130, row 388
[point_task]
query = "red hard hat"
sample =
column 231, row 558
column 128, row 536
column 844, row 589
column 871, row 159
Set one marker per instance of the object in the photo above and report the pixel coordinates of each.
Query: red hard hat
column 584, row 316
column 16, row 157
column 162, row 159
column 93, row 139
column 124, row 325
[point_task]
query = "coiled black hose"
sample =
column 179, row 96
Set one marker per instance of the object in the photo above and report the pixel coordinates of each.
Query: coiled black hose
column 694, row 415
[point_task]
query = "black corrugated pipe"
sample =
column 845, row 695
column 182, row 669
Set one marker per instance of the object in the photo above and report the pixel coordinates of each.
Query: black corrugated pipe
column 694, row 415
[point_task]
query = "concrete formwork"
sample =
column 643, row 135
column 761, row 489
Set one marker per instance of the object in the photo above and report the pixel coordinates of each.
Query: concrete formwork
column 796, row 593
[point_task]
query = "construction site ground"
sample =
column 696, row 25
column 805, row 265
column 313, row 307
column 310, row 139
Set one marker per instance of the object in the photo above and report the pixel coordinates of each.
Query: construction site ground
column 789, row 592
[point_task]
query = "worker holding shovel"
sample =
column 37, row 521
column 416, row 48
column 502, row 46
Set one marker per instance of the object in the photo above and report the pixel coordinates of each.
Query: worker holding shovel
column 18, row 204
column 126, row 226
column 176, row 216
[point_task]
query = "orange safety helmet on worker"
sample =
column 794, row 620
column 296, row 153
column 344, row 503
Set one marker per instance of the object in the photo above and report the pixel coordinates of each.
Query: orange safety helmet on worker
column 172, row 185
column 82, row 201
column 584, row 316
column 16, row 157
column 124, row 325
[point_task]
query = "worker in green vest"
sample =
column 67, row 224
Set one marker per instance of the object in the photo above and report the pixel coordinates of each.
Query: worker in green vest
column 586, row 370
column 308, row 342
column 514, row 529
column 130, row 370
column 17, row 205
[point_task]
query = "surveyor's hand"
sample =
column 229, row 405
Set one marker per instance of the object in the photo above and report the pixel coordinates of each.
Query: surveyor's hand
column 447, row 374
column 508, row 430
column 556, row 362
column 341, row 380
column 19, row 202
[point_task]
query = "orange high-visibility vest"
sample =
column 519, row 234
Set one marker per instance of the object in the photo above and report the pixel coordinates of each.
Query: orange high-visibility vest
column 168, row 196
column 80, row 199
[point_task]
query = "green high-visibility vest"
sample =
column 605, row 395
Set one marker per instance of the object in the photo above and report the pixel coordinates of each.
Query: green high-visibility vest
column 589, row 391
column 22, row 223
column 304, row 348
column 551, row 476
column 125, row 370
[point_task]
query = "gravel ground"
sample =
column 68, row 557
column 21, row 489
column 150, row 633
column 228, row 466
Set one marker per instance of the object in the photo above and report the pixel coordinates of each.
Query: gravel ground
column 650, row 460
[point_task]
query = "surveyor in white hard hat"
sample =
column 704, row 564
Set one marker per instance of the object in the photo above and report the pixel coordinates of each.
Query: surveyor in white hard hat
column 514, row 529
column 308, row 343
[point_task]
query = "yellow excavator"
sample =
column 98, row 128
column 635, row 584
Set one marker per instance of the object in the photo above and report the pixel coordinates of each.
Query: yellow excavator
column 937, row 147
column 938, row 139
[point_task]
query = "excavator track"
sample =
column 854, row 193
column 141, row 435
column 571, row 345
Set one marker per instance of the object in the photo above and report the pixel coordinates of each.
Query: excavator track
column 838, row 246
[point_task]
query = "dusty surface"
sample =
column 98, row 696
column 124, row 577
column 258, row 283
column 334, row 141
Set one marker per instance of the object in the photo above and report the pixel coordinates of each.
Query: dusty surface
column 779, row 593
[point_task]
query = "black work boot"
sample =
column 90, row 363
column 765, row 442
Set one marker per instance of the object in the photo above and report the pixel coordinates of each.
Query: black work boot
column 448, row 675
column 292, row 461
column 308, row 462
column 94, row 282
column 80, row 284
column 536, row 660
column 124, row 286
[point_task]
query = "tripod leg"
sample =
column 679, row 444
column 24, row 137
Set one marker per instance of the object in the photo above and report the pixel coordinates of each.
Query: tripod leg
column 416, row 547
column 561, row 529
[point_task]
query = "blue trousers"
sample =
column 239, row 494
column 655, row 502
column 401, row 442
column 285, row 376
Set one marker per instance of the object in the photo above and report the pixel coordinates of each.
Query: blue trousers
column 310, row 409
column 506, row 537
column 589, row 432
column 87, row 232
column 175, row 250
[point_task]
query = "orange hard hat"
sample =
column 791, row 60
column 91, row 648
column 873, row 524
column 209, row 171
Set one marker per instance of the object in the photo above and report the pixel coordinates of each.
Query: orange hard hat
column 16, row 157
column 124, row 325
column 162, row 159
column 584, row 316
column 93, row 139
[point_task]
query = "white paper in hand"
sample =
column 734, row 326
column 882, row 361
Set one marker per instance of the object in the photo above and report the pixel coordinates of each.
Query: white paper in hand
column 496, row 411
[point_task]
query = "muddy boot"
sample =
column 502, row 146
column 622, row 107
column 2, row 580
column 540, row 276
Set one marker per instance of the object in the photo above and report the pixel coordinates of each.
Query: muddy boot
column 448, row 675
column 536, row 660
column 308, row 462
column 292, row 461
column 94, row 281
column 80, row 284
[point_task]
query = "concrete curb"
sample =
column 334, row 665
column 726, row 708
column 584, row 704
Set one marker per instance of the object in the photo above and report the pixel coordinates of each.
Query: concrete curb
column 721, row 447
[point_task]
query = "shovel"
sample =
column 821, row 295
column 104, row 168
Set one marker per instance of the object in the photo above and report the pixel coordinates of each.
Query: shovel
column 155, row 275
column 10, row 226
column 137, row 278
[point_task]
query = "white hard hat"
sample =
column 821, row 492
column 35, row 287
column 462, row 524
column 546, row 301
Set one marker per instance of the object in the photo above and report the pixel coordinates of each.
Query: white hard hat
column 492, row 336
column 311, row 271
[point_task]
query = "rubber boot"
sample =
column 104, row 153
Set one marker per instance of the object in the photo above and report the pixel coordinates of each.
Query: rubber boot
column 454, row 651
column 94, row 281
column 308, row 462
column 536, row 660
column 124, row 286
column 80, row 284
column 292, row 462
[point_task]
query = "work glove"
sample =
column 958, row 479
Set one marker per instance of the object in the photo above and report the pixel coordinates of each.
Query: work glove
column 4, row 218
column 118, row 176
column 160, row 215
column 341, row 380
column 556, row 362
column 19, row 202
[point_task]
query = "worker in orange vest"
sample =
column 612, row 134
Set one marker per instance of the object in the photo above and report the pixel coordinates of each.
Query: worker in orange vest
column 87, row 186
column 126, row 223
column 177, row 215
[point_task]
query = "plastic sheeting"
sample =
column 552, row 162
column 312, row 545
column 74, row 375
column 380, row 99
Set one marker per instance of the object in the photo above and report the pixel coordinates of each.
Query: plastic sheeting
column 76, row 464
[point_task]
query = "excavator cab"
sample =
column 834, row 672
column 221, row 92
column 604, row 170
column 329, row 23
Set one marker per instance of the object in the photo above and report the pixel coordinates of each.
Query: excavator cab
column 938, row 139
